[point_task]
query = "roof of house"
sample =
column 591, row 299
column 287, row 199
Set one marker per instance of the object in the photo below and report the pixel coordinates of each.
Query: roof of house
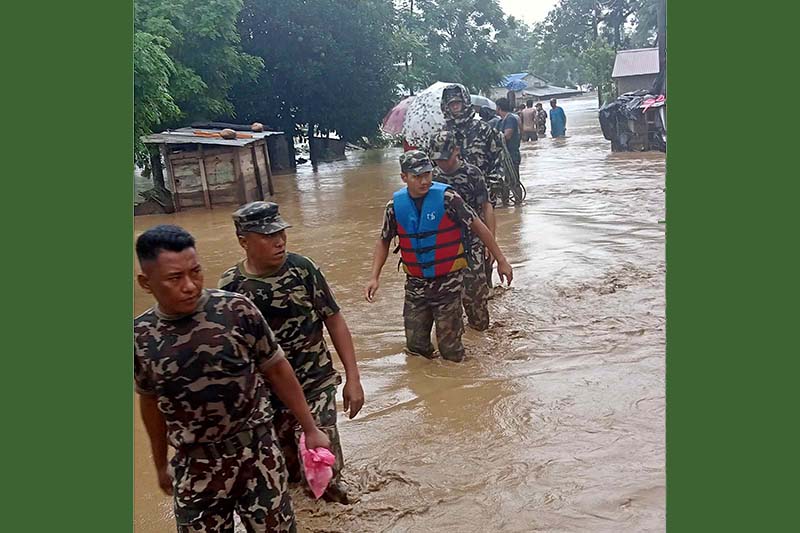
column 637, row 62
column 550, row 90
column 519, row 76
column 187, row 136
column 544, row 91
column 512, row 77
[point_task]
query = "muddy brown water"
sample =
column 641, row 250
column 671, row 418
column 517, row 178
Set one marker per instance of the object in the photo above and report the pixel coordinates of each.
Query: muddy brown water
column 556, row 420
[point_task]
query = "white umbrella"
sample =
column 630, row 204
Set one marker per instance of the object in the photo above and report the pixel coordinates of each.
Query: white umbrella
column 482, row 101
column 424, row 116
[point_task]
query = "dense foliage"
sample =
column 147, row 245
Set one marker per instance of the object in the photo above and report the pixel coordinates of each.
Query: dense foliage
column 339, row 65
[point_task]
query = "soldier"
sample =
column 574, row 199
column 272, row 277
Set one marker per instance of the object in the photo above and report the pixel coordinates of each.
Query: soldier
column 200, row 360
column 541, row 120
column 467, row 180
column 293, row 295
column 430, row 219
column 480, row 144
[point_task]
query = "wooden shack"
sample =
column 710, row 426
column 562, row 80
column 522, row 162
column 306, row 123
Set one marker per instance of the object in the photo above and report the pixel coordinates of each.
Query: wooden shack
column 204, row 170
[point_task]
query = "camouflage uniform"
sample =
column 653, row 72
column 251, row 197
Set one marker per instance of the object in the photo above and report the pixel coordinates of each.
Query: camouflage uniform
column 429, row 300
column 295, row 300
column 480, row 143
column 468, row 182
column 541, row 121
column 205, row 370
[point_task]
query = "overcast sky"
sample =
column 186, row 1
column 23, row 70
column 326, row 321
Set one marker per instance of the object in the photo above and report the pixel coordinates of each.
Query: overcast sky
column 531, row 11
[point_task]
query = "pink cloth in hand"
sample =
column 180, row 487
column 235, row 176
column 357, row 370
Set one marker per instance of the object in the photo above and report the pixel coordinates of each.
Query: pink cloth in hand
column 317, row 464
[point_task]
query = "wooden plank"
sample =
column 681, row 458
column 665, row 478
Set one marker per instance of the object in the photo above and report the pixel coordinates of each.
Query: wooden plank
column 175, row 196
column 225, row 196
column 269, row 168
column 237, row 172
column 203, row 179
column 219, row 170
column 257, row 172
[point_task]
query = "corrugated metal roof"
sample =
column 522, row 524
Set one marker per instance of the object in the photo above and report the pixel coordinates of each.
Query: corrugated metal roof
column 513, row 77
column 549, row 90
column 187, row 136
column 519, row 76
column 635, row 62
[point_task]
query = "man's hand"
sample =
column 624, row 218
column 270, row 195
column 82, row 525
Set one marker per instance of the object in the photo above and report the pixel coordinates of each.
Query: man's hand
column 371, row 289
column 504, row 270
column 316, row 438
column 165, row 481
column 353, row 397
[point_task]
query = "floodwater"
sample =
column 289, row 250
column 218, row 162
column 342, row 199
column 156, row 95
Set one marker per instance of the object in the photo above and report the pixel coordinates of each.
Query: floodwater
column 556, row 421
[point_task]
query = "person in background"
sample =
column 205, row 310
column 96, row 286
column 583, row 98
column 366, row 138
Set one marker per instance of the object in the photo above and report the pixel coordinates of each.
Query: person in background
column 558, row 120
column 509, row 127
column 541, row 120
column 528, row 118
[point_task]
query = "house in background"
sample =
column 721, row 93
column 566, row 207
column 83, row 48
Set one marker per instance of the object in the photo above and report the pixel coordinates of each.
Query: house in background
column 635, row 69
column 205, row 170
column 529, row 86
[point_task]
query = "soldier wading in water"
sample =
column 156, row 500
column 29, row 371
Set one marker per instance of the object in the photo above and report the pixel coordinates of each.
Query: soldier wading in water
column 204, row 363
column 430, row 220
column 480, row 144
column 467, row 180
column 294, row 297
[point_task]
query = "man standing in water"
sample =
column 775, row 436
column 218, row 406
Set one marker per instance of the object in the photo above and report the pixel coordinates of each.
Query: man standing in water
column 430, row 219
column 558, row 120
column 528, row 118
column 294, row 297
column 468, row 182
column 479, row 143
column 200, row 359
column 541, row 120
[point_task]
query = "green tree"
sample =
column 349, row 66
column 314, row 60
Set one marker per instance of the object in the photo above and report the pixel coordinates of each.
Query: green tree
column 617, row 14
column 452, row 40
column 195, row 44
column 152, row 102
column 328, row 64
column 646, row 20
column 567, row 45
column 598, row 62
column 517, row 45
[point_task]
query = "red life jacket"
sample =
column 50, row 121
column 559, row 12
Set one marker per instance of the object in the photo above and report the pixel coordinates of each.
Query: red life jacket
column 431, row 243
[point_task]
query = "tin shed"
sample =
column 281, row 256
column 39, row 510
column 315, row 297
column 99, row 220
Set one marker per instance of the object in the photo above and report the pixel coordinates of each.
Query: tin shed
column 203, row 169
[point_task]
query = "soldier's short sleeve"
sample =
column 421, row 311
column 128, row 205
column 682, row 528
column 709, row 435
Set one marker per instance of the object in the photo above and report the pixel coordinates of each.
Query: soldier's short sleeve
column 458, row 209
column 322, row 296
column 389, row 228
column 143, row 380
column 266, row 350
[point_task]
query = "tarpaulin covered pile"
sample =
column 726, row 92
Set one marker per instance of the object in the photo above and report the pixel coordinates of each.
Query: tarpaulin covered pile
column 625, row 122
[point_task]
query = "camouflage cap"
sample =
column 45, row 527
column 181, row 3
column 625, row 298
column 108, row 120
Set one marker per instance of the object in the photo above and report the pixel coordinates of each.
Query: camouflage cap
column 416, row 162
column 259, row 217
column 442, row 145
